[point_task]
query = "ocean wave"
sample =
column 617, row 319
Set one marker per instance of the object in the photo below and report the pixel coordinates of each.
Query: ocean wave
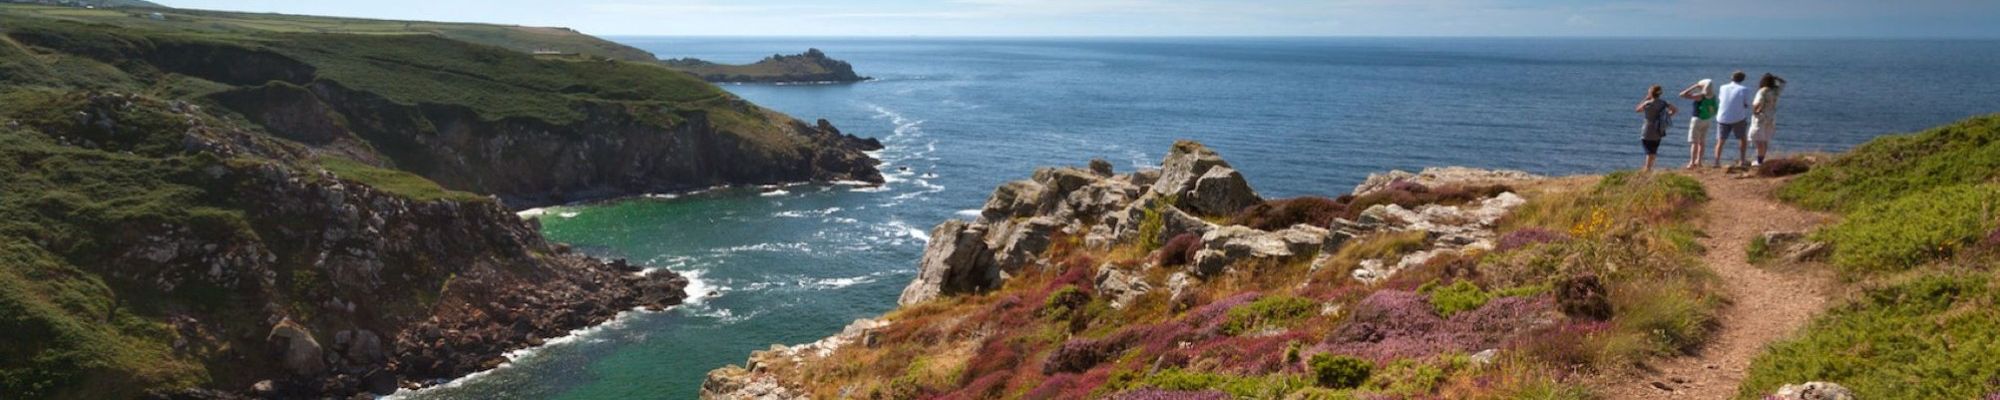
column 807, row 213
column 532, row 212
column 775, row 193
column 970, row 212
column 770, row 247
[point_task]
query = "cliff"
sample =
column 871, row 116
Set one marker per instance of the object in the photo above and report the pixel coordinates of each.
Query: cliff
column 1183, row 282
column 213, row 213
column 813, row 66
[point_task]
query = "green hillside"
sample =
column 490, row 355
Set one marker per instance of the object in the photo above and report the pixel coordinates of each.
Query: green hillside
column 1919, row 236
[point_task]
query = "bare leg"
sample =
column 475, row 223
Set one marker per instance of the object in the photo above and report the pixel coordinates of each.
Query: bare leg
column 1720, row 142
column 1695, row 151
column 1762, row 147
column 1649, row 163
column 1742, row 151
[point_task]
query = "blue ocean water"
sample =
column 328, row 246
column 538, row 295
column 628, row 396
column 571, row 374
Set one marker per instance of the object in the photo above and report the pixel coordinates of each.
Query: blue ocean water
column 1297, row 116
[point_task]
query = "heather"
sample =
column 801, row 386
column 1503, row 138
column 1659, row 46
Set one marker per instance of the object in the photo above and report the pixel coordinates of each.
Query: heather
column 1293, row 328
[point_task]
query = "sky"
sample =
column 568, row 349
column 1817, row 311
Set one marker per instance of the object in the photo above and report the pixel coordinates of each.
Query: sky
column 1587, row 18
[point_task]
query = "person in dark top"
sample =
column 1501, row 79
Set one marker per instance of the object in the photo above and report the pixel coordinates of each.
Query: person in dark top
column 1657, row 113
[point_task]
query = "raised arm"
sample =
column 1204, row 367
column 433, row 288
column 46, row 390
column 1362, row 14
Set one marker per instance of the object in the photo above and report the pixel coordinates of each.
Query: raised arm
column 1691, row 91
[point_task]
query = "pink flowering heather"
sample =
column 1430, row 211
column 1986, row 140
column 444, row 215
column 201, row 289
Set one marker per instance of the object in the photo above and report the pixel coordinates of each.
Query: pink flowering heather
column 1156, row 394
column 1408, row 186
column 1394, row 324
column 1528, row 236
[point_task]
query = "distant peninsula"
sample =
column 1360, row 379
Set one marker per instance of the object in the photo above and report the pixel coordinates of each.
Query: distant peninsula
column 813, row 66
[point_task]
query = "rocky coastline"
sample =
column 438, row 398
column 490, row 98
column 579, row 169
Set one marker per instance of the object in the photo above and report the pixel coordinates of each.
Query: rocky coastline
column 1101, row 209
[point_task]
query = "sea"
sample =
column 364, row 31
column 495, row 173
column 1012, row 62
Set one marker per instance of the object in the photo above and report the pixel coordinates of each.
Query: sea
column 1298, row 116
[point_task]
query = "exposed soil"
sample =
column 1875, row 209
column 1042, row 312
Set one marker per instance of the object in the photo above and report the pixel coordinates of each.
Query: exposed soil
column 1766, row 304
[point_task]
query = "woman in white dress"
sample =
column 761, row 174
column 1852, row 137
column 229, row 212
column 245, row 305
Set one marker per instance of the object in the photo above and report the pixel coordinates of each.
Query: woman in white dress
column 1764, row 114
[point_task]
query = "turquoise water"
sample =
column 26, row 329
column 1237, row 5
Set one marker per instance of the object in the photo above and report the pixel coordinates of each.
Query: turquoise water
column 1298, row 116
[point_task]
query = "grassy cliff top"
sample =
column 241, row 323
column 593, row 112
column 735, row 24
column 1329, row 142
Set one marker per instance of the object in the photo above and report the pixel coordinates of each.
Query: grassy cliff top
column 481, row 68
column 526, row 39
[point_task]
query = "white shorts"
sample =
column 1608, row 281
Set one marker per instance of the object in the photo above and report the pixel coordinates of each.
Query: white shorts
column 1698, row 129
column 1763, row 129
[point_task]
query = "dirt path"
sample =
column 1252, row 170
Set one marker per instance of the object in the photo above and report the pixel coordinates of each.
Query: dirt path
column 1768, row 305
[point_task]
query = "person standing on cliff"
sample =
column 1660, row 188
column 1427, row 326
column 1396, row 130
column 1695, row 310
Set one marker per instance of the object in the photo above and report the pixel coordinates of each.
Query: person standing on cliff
column 1733, row 117
column 1703, row 121
column 1764, row 114
column 1659, row 113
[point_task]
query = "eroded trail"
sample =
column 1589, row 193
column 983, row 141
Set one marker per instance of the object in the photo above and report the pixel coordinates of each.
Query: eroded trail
column 1768, row 305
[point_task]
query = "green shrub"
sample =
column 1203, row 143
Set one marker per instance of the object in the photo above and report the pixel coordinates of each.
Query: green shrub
column 1268, row 311
column 1251, row 387
column 1913, row 229
column 1340, row 372
column 1929, row 338
column 1759, row 250
column 1460, row 296
column 1154, row 221
column 1891, row 167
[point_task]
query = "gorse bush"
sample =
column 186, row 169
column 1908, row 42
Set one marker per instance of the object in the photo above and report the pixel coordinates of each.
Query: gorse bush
column 1340, row 372
column 1908, row 231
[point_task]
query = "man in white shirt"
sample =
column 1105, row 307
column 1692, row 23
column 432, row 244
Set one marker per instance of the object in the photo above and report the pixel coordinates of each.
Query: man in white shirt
column 1734, row 117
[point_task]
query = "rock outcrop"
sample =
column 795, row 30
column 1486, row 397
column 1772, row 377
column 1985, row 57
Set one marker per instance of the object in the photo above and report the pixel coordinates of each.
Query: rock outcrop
column 1442, row 176
column 813, row 66
column 1144, row 209
column 1813, row 391
column 1021, row 218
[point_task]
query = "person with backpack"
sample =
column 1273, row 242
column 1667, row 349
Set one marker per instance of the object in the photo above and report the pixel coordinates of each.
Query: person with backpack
column 1764, row 114
column 1703, row 121
column 1733, row 118
column 1658, row 114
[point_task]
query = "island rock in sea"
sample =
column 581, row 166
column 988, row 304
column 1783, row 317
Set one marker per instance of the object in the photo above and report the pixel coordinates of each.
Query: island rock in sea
column 813, row 66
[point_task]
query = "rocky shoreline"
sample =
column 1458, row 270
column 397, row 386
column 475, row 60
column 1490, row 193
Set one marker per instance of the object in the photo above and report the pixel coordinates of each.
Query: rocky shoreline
column 1023, row 219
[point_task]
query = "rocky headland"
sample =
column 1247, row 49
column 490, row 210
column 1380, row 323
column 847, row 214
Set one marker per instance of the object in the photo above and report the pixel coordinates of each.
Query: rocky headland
column 812, row 66
column 214, row 211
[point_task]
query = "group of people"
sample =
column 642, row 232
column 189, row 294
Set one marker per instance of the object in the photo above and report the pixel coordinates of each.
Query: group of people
column 1731, row 110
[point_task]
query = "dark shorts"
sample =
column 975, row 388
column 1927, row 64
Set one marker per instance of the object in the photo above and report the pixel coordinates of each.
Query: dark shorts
column 1739, row 130
column 1652, row 146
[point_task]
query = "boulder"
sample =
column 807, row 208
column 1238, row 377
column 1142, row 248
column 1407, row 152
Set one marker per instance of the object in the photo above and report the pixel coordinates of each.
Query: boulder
column 300, row 353
column 365, row 347
column 1184, row 165
column 1096, row 200
column 1012, row 199
column 1228, row 245
column 957, row 260
column 1220, row 191
column 1101, row 168
column 1023, row 243
column 1794, row 246
column 1813, row 391
column 1441, row 176
column 1144, row 177
column 1127, row 223
column 1120, row 286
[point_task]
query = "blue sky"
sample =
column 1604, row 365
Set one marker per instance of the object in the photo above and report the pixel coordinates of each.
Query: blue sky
column 1716, row 18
